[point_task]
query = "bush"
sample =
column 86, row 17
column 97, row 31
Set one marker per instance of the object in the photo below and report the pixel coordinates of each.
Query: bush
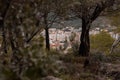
column 101, row 42
column 98, row 56
column 74, row 48
column 31, row 63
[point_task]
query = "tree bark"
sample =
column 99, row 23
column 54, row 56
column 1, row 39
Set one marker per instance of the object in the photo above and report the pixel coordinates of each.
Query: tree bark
column 84, row 48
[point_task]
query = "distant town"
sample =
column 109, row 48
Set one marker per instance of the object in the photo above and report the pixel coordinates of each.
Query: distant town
column 59, row 38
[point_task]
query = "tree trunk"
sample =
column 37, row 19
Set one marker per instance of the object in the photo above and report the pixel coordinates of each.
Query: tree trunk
column 4, row 44
column 46, row 32
column 84, row 48
column 47, row 39
column 3, row 15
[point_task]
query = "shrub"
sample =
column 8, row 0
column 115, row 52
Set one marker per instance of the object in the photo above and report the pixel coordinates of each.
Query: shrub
column 98, row 56
column 101, row 42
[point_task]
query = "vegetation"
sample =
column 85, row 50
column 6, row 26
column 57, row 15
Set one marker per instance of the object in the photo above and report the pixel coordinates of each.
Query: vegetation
column 88, row 11
column 115, row 21
column 101, row 42
column 25, row 54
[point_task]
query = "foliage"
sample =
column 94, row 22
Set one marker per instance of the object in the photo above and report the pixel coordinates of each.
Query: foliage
column 101, row 42
column 88, row 11
column 72, row 36
column 115, row 19
column 98, row 56
column 26, row 58
column 75, row 47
